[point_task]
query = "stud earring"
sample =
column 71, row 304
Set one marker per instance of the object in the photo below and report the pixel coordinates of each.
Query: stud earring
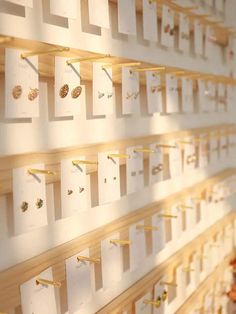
column 24, row 206
column 167, row 28
column 69, row 192
column 64, row 90
column 39, row 203
column 81, row 189
column 17, row 91
column 76, row 92
column 109, row 95
column 100, row 95
column 164, row 295
column 34, row 92
column 158, row 302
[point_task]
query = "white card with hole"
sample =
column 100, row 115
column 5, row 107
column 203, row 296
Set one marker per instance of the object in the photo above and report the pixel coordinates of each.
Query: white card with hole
column 175, row 160
column 108, row 177
column 64, row 8
column 198, row 38
column 184, row 33
column 181, row 282
column 213, row 143
column 134, row 170
column 190, row 214
column 154, row 92
column 79, row 281
column 29, row 199
column 141, row 307
column 167, row 27
column 138, row 247
column 172, row 96
column 187, row 95
column 25, row 3
column 156, row 164
column 111, row 257
column 99, row 13
column 150, row 26
column 130, row 91
column 159, row 292
column 176, row 223
column 127, row 17
column 21, row 85
column 209, row 42
column 222, row 102
column 189, row 162
column 67, row 89
column 203, row 151
column 158, row 236
column 37, row 298
column 102, row 90
column 212, row 96
column 74, row 190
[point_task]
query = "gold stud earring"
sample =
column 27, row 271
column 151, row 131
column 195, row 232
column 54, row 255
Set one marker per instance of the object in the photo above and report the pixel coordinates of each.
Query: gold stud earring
column 17, row 91
column 69, row 192
column 24, row 206
column 164, row 295
column 64, row 90
column 34, row 92
column 158, row 302
column 39, row 203
column 76, row 92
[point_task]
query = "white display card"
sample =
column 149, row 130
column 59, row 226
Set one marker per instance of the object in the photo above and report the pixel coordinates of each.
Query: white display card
column 189, row 154
column 99, row 13
column 158, row 293
column 222, row 101
column 158, row 236
column 203, row 151
column 25, row 3
column 154, row 91
column 130, row 91
column 219, row 5
column 212, row 99
column 103, row 97
column 141, row 307
column 67, row 88
column 209, row 42
column 198, row 37
column 172, row 96
column 197, row 268
column 167, row 27
column 150, row 31
column 223, row 145
column 176, row 223
column 184, row 33
column 134, row 170
column 203, row 95
column 214, row 148
column 21, row 85
column 108, row 177
column 206, row 262
column 111, row 261
column 126, row 16
column 138, row 247
column 175, row 160
column 187, row 95
column 79, row 281
column 74, row 189
column 37, row 298
column 208, row 302
column 230, row 97
column 64, row 8
column 29, row 199
column 190, row 214
column 181, row 282
column 156, row 164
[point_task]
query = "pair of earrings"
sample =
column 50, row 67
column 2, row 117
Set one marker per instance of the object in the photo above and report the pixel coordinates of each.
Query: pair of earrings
column 18, row 90
column 100, row 95
column 69, row 192
column 25, row 205
column 75, row 93
column 134, row 95
column 168, row 29
column 161, row 298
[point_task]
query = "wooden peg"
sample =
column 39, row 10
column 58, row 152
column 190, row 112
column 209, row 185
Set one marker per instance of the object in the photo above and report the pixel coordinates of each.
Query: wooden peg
column 176, row 73
column 146, row 228
column 43, row 52
column 87, row 59
column 150, row 69
column 5, row 39
column 167, row 216
column 187, row 269
column 88, row 259
column 84, row 162
column 46, row 282
column 182, row 206
column 166, row 146
column 144, row 150
column 185, row 142
column 111, row 156
column 121, row 242
column 120, row 65
column 41, row 171
column 171, row 284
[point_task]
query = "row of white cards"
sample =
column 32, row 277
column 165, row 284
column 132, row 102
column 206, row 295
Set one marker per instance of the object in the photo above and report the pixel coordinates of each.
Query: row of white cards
column 80, row 276
column 22, row 90
column 29, row 191
column 98, row 11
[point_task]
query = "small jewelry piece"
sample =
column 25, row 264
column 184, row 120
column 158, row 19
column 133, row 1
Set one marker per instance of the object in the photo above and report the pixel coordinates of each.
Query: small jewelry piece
column 105, row 180
column 136, row 95
column 109, row 95
column 167, row 28
column 129, row 95
column 64, row 90
column 157, row 169
column 100, row 95
column 34, row 92
column 114, row 178
column 164, row 295
column 158, row 302
column 69, row 192
column 157, row 88
column 24, row 206
column 76, row 92
column 81, row 189
column 17, row 91
column 172, row 31
column 39, row 203
column 184, row 36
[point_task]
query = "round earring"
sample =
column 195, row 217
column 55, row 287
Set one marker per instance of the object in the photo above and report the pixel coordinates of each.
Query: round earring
column 76, row 92
column 17, row 91
column 64, row 90
column 34, row 92
column 158, row 302
column 164, row 295
column 39, row 203
column 24, row 206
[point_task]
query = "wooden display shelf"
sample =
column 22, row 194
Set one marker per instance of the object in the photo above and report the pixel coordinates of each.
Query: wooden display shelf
column 52, row 159
column 12, row 278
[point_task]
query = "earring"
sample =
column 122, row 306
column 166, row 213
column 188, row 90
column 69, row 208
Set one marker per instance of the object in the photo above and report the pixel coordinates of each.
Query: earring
column 109, row 95
column 129, row 95
column 76, row 92
column 69, row 192
column 34, row 92
column 164, row 295
column 24, row 206
column 39, row 203
column 100, row 95
column 167, row 28
column 136, row 95
column 17, row 91
column 158, row 302
column 64, row 90
column 81, row 189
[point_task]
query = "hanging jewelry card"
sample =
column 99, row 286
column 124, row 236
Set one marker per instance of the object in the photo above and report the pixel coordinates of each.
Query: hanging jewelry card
column 99, row 13
column 150, row 26
column 130, row 91
column 127, row 16
column 134, row 170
